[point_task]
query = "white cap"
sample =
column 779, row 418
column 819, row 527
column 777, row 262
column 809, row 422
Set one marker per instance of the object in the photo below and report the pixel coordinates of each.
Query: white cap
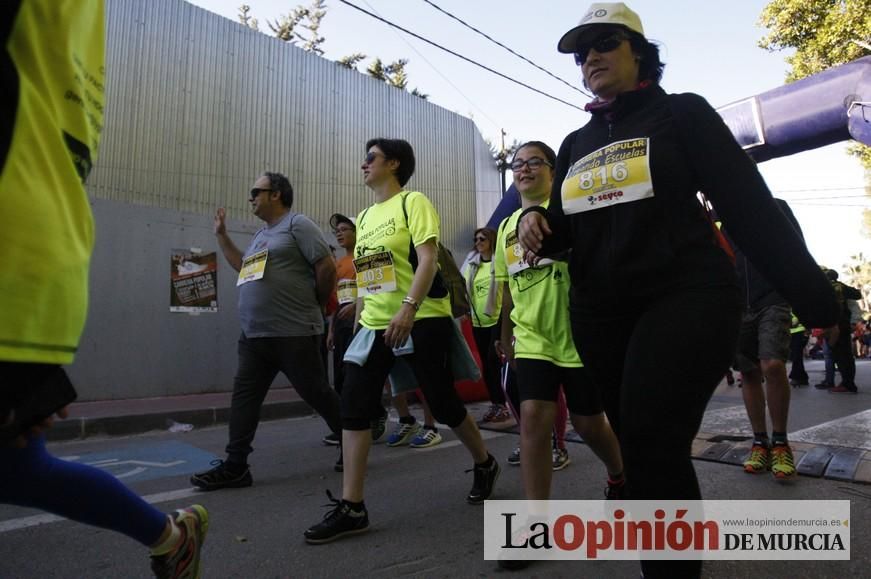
column 613, row 13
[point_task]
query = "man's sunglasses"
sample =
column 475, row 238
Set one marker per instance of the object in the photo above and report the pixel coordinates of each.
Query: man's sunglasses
column 602, row 45
column 370, row 157
column 257, row 191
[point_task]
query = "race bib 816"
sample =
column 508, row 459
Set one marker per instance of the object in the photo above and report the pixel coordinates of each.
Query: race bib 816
column 616, row 173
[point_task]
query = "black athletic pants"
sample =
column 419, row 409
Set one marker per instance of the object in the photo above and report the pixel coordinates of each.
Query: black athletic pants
column 657, row 365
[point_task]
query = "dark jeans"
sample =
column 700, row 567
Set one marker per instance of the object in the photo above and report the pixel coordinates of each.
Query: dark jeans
column 485, row 341
column 829, row 362
column 657, row 365
column 343, row 333
column 361, row 393
column 842, row 355
column 260, row 360
column 796, row 355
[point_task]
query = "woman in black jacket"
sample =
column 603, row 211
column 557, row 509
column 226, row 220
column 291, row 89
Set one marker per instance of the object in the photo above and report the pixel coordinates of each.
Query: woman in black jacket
column 650, row 277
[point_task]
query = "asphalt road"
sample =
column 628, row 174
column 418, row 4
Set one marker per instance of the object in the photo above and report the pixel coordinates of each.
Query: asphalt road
column 421, row 524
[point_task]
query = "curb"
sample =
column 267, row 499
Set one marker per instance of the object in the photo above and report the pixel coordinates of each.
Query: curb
column 87, row 427
column 839, row 463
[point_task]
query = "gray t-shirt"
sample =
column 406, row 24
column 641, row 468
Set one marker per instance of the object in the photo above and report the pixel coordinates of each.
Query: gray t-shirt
column 284, row 302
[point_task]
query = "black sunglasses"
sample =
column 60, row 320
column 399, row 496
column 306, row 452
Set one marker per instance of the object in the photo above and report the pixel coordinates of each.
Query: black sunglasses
column 480, row 239
column 257, row 191
column 371, row 156
column 601, row 45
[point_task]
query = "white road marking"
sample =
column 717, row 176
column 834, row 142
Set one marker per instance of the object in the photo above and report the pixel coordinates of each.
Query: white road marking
column 44, row 519
column 853, row 431
column 729, row 420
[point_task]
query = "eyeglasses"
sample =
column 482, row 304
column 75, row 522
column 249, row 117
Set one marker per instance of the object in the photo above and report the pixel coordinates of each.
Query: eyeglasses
column 602, row 45
column 257, row 191
column 371, row 156
column 534, row 164
column 479, row 239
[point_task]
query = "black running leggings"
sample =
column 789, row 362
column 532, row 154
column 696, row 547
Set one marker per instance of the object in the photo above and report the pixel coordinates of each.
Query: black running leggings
column 431, row 363
column 657, row 366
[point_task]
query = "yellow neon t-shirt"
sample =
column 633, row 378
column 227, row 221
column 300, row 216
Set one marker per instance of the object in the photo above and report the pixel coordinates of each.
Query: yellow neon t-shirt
column 384, row 273
column 56, row 49
column 541, row 301
column 480, row 291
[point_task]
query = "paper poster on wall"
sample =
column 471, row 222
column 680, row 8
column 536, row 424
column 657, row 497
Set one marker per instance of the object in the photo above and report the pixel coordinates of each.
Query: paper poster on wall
column 194, row 281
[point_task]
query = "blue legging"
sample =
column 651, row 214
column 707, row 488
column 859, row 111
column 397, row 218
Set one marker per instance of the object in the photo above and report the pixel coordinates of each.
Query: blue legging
column 31, row 477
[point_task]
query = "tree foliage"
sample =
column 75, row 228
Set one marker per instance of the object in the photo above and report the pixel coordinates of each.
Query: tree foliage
column 301, row 27
column 824, row 33
column 858, row 274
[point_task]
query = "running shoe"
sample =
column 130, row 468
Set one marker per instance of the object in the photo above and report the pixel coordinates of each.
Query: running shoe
column 485, row 479
column 183, row 562
column 615, row 490
column 379, row 426
column 223, row 476
column 841, row 389
column 758, row 461
column 502, row 415
column 491, row 412
column 426, row 437
column 560, row 458
column 782, row 462
column 403, row 434
column 332, row 439
column 339, row 522
column 514, row 457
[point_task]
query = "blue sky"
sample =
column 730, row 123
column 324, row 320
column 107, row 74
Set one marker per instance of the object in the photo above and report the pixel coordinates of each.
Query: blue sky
column 710, row 48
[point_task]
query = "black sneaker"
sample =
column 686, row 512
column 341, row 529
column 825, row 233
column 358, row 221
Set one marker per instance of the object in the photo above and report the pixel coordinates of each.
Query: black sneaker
column 342, row 520
column 823, row 386
column 332, row 439
column 223, row 476
column 485, row 479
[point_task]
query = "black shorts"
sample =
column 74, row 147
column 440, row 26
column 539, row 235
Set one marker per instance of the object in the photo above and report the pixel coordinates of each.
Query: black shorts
column 540, row 380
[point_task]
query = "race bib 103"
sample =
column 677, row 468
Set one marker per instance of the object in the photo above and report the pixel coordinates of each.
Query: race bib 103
column 375, row 273
column 617, row 173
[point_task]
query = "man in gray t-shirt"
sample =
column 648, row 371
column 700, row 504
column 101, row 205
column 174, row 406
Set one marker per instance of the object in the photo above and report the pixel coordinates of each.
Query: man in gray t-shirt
column 285, row 278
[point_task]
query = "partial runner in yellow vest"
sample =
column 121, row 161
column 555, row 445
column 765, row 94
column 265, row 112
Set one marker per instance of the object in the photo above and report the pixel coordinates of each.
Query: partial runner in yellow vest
column 51, row 114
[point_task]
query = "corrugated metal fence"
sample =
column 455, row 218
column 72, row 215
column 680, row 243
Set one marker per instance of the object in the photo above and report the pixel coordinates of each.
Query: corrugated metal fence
column 199, row 105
